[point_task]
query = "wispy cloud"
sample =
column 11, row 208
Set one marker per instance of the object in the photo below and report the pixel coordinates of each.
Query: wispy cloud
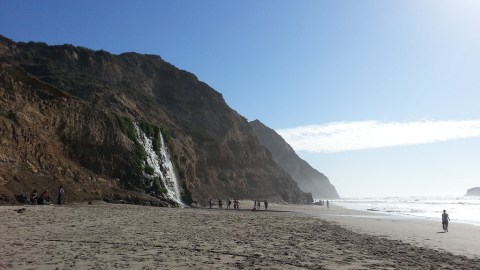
column 347, row 136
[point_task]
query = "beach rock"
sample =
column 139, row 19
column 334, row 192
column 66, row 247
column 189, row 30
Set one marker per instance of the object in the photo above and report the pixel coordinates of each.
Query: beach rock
column 473, row 191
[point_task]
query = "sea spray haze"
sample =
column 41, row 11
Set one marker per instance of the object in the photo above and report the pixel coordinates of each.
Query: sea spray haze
column 60, row 108
column 308, row 178
column 465, row 209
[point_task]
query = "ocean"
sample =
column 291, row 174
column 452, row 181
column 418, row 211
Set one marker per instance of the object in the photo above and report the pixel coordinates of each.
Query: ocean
column 460, row 208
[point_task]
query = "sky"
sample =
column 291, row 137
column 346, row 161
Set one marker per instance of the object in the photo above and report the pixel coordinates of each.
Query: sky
column 380, row 96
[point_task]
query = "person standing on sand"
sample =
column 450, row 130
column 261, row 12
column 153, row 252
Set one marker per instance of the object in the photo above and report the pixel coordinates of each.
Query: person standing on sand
column 210, row 203
column 328, row 204
column 229, row 202
column 445, row 220
column 220, row 203
column 61, row 191
column 258, row 204
column 265, row 203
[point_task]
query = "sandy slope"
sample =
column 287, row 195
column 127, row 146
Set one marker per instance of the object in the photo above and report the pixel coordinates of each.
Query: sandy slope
column 105, row 236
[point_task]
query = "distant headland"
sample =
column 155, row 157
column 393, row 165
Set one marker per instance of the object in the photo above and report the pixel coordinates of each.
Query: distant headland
column 473, row 192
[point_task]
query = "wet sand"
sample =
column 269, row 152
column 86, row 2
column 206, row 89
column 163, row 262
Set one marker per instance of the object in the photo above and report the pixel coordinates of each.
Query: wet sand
column 461, row 239
column 107, row 236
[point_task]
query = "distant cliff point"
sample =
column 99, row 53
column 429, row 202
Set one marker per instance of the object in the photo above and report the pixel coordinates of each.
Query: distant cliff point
column 309, row 179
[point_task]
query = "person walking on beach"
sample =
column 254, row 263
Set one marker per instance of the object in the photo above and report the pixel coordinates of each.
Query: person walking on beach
column 445, row 220
column 210, row 203
column 265, row 203
column 258, row 204
column 229, row 202
column 328, row 204
column 220, row 203
column 61, row 191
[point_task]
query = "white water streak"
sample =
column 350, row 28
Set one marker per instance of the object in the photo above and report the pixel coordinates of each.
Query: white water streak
column 162, row 165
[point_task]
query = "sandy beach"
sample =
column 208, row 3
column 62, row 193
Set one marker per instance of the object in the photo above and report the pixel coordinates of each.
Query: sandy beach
column 462, row 239
column 108, row 236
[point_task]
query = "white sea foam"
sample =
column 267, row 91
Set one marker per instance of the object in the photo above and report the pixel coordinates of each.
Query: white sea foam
column 460, row 209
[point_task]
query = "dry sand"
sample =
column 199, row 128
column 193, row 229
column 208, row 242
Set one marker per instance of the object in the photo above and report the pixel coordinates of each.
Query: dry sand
column 106, row 236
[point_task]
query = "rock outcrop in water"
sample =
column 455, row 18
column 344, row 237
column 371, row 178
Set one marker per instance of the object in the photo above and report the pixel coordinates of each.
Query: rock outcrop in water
column 68, row 115
column 309, row 179
column 473, row 191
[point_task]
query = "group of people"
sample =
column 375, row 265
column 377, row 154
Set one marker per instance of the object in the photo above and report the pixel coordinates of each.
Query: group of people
column 322, row 203
column 236, row 203
column 43, row 198
column 257, row 204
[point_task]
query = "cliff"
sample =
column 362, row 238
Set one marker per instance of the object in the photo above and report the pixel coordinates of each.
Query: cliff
column 309, row 179
column 473, row 191
column 67, row 116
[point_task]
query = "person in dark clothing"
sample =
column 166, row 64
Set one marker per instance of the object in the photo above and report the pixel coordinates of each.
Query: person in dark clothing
column 61, row 191
column 445, row 220
column 220, row 203
column 265, row 203
column 229, row 203
column 33, row 197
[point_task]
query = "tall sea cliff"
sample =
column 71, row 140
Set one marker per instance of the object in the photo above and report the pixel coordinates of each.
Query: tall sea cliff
column 68, row 116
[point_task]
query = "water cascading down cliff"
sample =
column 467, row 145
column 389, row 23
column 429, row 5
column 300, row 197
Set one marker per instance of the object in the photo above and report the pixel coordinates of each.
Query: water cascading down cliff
column 161, row 164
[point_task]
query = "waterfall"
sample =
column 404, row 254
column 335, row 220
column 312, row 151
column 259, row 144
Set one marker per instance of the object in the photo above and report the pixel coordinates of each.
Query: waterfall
column 161, row 164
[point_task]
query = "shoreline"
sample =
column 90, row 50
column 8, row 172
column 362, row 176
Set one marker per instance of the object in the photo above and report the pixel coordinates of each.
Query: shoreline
column 462, row 238
column 102, row 235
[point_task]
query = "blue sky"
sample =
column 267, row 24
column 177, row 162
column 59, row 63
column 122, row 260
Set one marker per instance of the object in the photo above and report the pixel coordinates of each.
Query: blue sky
column 304, row 64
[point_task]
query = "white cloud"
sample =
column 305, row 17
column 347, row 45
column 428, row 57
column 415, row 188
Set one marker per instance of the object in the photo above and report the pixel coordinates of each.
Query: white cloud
column 347, row 136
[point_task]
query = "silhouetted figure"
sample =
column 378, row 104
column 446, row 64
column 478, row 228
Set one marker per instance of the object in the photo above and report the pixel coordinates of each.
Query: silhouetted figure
column 229, row 202
column 445, row 220
column 33, row 197
column 265, row 203
column 210, row 203
column 238, row 204
column 258, row 204
column 328, row 204
column 61, row 191
column 255, row 205
column 220, row 203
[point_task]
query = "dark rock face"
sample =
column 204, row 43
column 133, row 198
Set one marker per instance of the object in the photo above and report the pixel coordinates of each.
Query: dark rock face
column 473, row 191
column 60, row 111
column 309, row 179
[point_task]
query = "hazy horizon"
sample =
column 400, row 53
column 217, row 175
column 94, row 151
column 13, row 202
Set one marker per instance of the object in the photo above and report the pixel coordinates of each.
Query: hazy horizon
column 380, row 96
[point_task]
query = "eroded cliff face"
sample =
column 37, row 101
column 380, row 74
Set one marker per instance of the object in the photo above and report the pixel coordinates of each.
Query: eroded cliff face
column 66, row 112
column 309, row 179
